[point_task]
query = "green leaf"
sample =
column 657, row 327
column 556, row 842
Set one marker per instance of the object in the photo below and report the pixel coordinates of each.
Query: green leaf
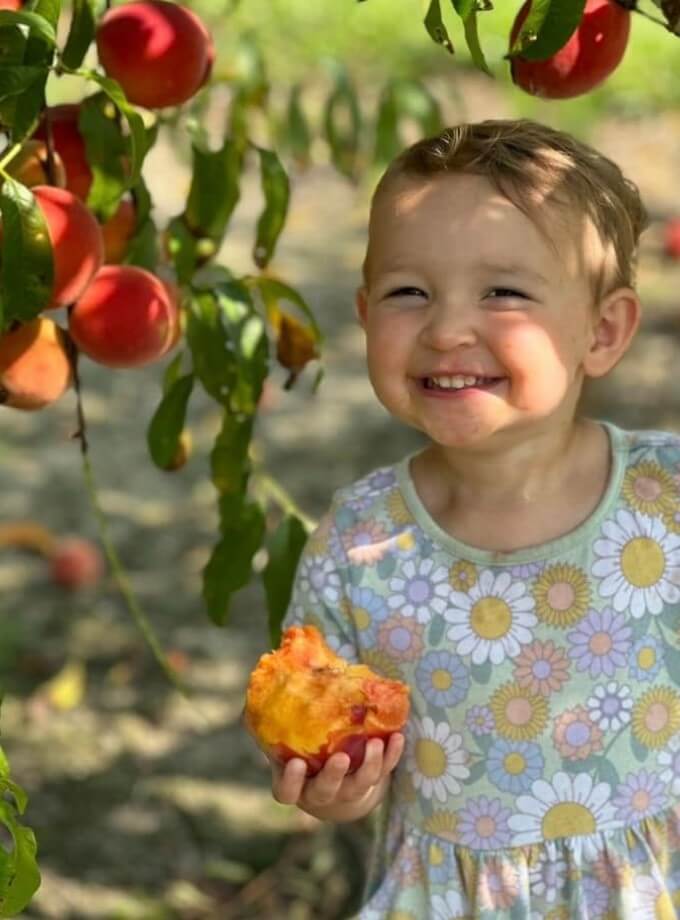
column 81, row 32
column 274, row 292
column 19, row 876
column 386, row 566
column 477, row 771
column 140, row 139
column 229, row 460
column 276, row 191
column 213, row 356
column 249, row 344
column 214, row 190
column 173, row 372
column 640, row 752
column 548, row 27
column 15, row 80
column 168, row 422
column 435, row 26
column 36, row 23
column 49, row 10
column 607, row 772
column 481, row 672
column 671, row 657
column 26, row 271
column 297, row 136
column 472, row 40
column 284, row 548
column 402, row 99
column 4, row 766
column 342, row 125
column 436, row 630
column 464, row 8
column 106, row 149
column 181, row 246
column 230, row 565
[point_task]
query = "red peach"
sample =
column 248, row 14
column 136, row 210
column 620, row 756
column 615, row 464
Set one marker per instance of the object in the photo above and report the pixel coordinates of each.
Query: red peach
column 126, row 317
column 118, row 230
column 69, row 144
column 591, row 54
column 159, row 52
column 35, row 369
column 77, row 246
column 671, row 237
column 30, row 166
column 76, row 563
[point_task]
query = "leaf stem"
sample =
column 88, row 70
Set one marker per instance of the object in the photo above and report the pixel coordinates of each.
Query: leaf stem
column 7, row 158
column 117, row 569
column 272, row 489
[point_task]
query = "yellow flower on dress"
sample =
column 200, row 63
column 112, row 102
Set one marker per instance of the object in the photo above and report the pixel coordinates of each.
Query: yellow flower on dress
column 562, row 595
column 656, row 717
column 650, row 489
column 519, row 714
column 462, row 575
column 558, row 913
column 396, row 508
column 442, row 824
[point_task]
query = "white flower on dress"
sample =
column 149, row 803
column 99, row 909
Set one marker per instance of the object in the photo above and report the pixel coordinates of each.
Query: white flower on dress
column 493, row 619
column 547, row 877
column 420, row 589
column 570, row 806
column 610, row 705
column 319, row 580
column 669, row 759
column 435, row 758
column 653, row 900
column 639, row 563
column 448, row 907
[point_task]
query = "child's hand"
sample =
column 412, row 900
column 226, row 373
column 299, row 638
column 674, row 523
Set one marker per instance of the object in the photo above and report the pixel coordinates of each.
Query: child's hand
column 333, row 794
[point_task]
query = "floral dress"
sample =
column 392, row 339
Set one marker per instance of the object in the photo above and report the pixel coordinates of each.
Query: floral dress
column 541, row 774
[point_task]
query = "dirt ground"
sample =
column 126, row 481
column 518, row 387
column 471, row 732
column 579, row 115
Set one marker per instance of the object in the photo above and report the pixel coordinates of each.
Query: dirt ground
column 150, row 807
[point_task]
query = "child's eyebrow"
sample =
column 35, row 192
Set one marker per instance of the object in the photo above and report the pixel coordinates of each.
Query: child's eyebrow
column 512, row 268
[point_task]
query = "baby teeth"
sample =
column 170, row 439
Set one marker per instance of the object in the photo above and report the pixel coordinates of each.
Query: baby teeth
column 455, row 383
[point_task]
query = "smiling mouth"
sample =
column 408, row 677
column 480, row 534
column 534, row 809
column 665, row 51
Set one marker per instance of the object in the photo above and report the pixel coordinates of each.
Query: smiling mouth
column 457, row 384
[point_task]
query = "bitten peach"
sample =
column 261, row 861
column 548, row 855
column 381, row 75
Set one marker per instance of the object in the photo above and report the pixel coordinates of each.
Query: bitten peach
column 126, row 318
column 305, row 701
column 35, row 369
column 592, row 53
column 159, row 52
column 77, row 246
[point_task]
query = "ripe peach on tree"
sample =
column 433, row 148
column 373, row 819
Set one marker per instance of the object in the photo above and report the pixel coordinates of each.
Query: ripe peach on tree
column 592, row 52
column 31, row 166
column 127, row 317
column 160, row 52
column 76, row 239
column 35, row 366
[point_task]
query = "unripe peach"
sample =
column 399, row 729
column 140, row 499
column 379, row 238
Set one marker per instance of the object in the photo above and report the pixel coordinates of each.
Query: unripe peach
column 69, row 144
column 30, row 166
column 126, row 317
column 118, row 230
column 77, row 245
column 592, row 53
column 76, row 563
column 159, row 52
column 35, row 369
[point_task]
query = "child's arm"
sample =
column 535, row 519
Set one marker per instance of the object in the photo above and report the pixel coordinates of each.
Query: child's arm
column 332, row 795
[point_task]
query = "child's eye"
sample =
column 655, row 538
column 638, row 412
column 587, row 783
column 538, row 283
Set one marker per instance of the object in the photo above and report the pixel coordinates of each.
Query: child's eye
column 504, row 293
column 407, row 292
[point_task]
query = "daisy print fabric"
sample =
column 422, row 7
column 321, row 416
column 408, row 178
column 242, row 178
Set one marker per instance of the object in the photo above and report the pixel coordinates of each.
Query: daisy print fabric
column 541, row 774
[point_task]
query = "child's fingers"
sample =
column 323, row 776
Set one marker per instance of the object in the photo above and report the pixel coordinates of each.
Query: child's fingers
column 370, row 771
column 393, row 752
column 323, row 788
column 288, row 782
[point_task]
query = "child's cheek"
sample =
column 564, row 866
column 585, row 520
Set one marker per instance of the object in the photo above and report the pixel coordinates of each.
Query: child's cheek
column 539, row 375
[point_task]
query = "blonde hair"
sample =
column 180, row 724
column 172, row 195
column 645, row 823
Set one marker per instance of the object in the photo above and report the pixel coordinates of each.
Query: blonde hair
column 534, row 165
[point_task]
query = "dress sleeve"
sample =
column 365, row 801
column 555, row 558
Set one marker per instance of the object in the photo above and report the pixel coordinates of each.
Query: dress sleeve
column 319, row 595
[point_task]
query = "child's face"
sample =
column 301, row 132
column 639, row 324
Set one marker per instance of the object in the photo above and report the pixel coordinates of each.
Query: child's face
column 461, row 283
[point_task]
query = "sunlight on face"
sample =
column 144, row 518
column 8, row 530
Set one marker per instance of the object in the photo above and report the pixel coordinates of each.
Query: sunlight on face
column 459, row 281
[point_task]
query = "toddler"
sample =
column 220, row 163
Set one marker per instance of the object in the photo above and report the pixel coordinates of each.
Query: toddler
column 521, row 572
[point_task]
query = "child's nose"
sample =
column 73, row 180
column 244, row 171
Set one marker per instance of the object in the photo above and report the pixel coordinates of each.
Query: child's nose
column 448, row 326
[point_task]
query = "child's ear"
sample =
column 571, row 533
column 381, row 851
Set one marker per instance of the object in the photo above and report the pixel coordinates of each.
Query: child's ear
column 361, row 306
column 614, row 328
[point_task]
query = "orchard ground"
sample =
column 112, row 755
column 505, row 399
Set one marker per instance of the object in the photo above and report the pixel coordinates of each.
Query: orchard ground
column 149, row 806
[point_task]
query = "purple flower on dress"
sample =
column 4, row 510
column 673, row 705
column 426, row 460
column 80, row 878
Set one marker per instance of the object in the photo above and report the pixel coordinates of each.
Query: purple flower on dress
column 479, row 719
column 670, row 761
column 419, row 589
column 639, row 796
column 600, row 642
column 526, row 570
column 483, row 824
column 595, row 895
